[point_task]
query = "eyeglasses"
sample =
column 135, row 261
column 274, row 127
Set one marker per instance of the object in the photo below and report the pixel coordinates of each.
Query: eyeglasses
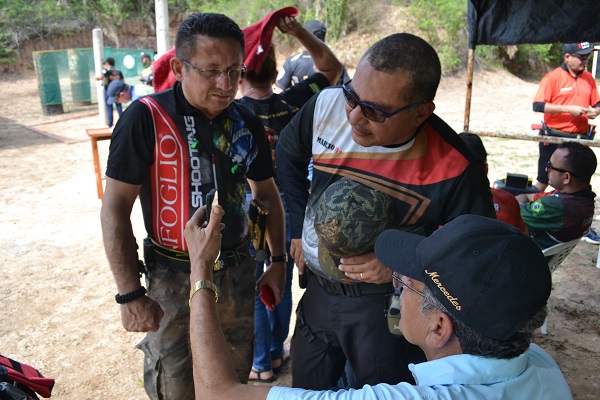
column 407, row 285
column 369, row 111
column 216, row 74
column 582, row 57
column 550, row 166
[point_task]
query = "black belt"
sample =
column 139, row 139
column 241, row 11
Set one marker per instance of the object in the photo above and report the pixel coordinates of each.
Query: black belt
column 558, row 133
column 180, row 260
column 351, row 289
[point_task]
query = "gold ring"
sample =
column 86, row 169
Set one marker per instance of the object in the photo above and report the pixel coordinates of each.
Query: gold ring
column 361, row 277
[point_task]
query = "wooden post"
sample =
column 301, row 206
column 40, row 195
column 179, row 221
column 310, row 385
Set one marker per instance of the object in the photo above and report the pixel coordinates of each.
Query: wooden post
column 471, row 58
column 537, row 138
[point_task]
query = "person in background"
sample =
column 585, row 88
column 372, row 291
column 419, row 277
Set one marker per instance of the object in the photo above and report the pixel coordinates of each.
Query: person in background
column 476, row 333
column 566, row 213
column 568, row 97
column 120, row 93
column 300, row 66
column 276, row 111
column 109, row 75
column 378, row 129
column 147, row 71
column 107, row 68
column 505, row 204
column 117, row 93
column 173, row 149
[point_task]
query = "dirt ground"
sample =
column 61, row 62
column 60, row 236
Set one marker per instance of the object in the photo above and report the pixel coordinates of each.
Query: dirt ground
column 59, row 313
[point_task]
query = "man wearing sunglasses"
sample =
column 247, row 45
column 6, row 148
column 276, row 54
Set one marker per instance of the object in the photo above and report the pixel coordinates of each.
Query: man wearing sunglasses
column 173, row 148
column 565, row 213
column 569, row 98
column 473, row 293
column 378, row 129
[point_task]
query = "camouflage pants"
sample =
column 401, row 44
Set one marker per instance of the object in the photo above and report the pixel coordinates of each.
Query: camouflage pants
column 168, row 360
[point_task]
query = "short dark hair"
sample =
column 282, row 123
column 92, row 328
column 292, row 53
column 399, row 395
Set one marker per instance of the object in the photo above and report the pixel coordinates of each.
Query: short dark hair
column 475, row 144
column 581, row 161
column 267, row 70
column 410, row 53
column 110, row 61
column 207, row 24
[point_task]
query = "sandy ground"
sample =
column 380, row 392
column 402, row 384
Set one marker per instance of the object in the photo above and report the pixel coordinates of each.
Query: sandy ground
column 57, row 293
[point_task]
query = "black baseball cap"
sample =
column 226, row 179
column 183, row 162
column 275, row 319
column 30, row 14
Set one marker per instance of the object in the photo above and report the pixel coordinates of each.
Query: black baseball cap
column 114, row 88
column 317, row 28
column 488, row 274
column 582, row 48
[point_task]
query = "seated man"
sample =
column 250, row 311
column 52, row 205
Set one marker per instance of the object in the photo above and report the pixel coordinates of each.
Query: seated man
column 505, row 204
column 475, row 332
column 565, row 213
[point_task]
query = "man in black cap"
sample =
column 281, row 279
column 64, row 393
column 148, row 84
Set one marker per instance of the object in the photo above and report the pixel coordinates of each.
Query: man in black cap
column 300, row 66
column 118, row 93
column 472, row 295
column 568, row 97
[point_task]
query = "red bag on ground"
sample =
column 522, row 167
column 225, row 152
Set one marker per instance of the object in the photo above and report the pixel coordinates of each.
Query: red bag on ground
column 25, row 376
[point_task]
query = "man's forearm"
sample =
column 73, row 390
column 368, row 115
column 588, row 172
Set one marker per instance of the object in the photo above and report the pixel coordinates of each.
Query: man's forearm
column 276, row 229
column 121, row 251
column 323, row 58
column 524, row 198
column 215, row 377
column 119, row 242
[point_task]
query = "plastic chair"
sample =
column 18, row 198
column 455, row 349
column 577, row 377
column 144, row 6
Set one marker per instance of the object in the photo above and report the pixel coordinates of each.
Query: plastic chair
column 555, row 255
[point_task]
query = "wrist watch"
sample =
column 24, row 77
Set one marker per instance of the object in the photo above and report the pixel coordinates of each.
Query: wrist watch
column 283, row 258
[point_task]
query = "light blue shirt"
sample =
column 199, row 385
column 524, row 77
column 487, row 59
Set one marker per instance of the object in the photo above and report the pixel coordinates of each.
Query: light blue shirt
column 533, row 375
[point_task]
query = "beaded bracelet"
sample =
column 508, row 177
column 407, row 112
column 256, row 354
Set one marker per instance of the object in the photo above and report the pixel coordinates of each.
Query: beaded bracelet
column 127, row 297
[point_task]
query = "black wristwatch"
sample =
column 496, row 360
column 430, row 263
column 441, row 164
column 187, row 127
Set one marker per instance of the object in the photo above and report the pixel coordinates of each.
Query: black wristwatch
column 127, row 297
column 283, row 258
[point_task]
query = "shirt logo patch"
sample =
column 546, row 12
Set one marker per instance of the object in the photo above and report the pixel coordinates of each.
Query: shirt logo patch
column 537, row 207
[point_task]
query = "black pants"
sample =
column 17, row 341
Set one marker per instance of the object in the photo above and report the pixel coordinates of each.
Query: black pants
column 354, row 328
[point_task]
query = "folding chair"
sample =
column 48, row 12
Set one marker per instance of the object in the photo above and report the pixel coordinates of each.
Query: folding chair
column 555, row 255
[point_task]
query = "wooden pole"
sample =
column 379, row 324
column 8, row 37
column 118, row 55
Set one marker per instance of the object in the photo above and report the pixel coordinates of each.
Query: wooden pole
column 471, row 59
column 536, row 138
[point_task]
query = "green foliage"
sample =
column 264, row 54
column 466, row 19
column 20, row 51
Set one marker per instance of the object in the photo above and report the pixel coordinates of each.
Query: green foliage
column 336, row 11
column 530, row 60
column 20, row 21
column 444, row 25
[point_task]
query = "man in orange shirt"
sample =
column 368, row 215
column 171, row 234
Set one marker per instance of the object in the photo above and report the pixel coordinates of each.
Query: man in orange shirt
column 568, row 97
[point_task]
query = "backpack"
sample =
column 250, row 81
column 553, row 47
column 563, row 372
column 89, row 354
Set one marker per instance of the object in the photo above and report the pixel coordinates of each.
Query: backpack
column 20, row 381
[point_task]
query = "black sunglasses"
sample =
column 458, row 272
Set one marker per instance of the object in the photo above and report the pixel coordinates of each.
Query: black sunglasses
column 582, row 57
column 550, row 166
column 369, row 111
